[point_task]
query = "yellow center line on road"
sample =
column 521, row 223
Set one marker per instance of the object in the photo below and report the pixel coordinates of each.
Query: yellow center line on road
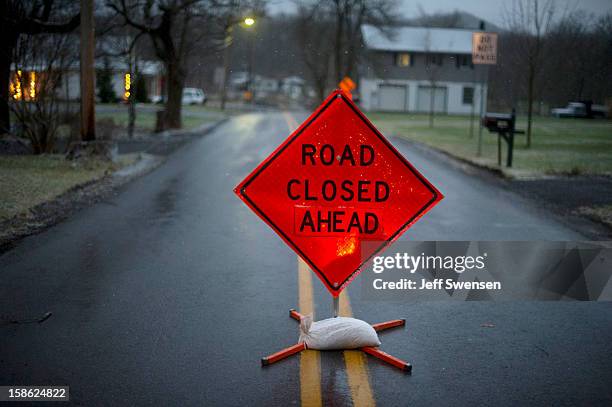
column 356, row 364
column 310, row 361
column 291, row 122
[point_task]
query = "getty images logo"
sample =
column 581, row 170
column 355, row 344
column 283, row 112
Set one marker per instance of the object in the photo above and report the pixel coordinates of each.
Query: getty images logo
column 411, row 263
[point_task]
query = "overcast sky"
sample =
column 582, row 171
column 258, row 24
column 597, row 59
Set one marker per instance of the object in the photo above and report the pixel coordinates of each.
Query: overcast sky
column 490, row 10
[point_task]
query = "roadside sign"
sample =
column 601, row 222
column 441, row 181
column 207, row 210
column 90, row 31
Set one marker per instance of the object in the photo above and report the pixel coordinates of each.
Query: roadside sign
column 334, row 182
column 484, row 48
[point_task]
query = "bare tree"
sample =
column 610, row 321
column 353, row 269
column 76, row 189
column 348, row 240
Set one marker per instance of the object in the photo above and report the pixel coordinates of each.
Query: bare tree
column 40, row 63
column 174, row 27
column 232, row 13
column 433, row 62
column 529, row 21
column 122, row 46
column 345, row 19
column 578, row 59
column 438, row 19
column 600, row 85
column 313, row 30
column 350, row 15
column 30, row 17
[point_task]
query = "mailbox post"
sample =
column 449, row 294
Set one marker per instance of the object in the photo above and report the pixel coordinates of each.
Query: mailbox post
column 504, row 125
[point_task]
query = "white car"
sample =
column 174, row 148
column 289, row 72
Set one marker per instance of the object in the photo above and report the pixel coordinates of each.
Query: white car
column 193, row 96
column 579, row 109
column 572, row 110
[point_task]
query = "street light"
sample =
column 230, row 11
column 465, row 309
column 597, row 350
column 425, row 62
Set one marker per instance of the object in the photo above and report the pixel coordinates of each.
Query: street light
column 248, row 22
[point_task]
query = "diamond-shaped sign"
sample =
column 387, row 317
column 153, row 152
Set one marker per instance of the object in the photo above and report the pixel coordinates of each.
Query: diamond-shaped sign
column 335, row 182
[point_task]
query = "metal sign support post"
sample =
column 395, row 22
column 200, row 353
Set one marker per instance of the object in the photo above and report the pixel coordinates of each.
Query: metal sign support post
column 336, row 306
column 505, row 127
column 482, row 96
column 484, row 52
column 473, row 107
column 499, row 153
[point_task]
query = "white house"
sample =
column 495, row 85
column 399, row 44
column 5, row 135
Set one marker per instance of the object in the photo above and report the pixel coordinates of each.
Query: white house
column 150, row 70
column 26, row 81
column 412, row 69
column 293, row 86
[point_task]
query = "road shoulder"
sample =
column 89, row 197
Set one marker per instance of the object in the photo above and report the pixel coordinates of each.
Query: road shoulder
column 573, row 201
column 146, row 155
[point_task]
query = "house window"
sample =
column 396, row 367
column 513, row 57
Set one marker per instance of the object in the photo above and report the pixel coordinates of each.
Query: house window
column 468, row 95
column 434, row 59
column 463, row 60
column 403, row 59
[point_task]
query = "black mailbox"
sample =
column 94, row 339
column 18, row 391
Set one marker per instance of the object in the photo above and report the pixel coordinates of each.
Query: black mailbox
column 498, row 122
column 504, row 125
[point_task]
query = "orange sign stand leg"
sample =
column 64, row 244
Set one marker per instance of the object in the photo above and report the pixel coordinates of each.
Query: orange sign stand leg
column 389, row 324
column 295, row 315
column 280, row 355
column 377, row 353
column 385, row 357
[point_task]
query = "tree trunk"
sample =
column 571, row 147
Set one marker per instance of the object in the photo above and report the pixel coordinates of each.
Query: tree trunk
column 530, row 104
column 87, row 46
column 135, row 75
column 432, row 104
column 131, row 117
column 338, row 46
column 7, row 43
column 176, row 81
column 132, row 109
column 320, row 85
column 226, row 66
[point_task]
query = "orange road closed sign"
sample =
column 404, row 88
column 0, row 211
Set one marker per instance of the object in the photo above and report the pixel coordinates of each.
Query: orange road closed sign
column 484, row 48
column 334, row 183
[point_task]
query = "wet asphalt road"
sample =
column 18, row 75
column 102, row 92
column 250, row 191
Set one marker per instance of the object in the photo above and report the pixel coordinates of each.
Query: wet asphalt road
column 170, row 292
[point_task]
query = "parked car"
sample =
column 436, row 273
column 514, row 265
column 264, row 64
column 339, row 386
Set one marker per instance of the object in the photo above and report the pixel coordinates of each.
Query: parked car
column 580, row 109
column 193, row 96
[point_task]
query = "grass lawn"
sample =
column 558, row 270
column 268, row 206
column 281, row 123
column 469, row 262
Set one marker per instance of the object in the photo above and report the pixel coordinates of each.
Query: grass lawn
column 559, row 146
column 29, row 180
column 192, row 116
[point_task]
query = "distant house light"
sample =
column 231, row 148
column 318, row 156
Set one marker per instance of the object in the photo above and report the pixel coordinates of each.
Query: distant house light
column 403, row 59
column 32, row 85
column 127, row 85
column 15, row 86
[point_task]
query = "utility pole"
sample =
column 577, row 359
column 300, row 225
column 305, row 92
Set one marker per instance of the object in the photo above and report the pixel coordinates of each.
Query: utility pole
column 226, row 63
column 88, row 113
column 251, row 83
column 229, row 28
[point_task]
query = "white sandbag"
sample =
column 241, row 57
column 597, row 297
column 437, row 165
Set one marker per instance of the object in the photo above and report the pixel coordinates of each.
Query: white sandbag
column 337, row 333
